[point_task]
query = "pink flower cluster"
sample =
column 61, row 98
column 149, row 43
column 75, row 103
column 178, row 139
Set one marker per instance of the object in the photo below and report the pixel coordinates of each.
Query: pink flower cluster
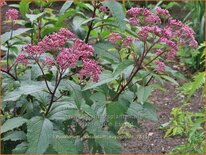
column 144, row 32
column 63, row 57
column 22, row 58
column 12, row 14
column 90, row 69
column 56, row 41
column 162, row 12
column 117, row 38
column 161, row 28
column 160, row 66
column 142, row 16
column 3, row 3
column 33, row 50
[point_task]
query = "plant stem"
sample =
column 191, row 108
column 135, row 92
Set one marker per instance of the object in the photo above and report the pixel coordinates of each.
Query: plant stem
column 7, row 56
column 91, row 24
column 136, row 68
column 44, row 76
column 7, row 72
column 53, row 93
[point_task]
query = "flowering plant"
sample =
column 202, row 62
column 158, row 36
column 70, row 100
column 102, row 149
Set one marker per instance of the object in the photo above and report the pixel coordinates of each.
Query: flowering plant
column 65, row 86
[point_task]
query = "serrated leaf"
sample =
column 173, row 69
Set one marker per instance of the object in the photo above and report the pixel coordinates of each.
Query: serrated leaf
column 117, row 12
column 6, row 36
column 105, row 77
column 63, row 110
column 122, row 66
column 24, row 89
column 13, row 123
column 14, row 136
column 102, row 50
column 143, row 93
column 105, row 139
column 145, row 111
column 74, row 88
column 63, row 144
column 65, row 6
column 39, row 135
column 20, row 148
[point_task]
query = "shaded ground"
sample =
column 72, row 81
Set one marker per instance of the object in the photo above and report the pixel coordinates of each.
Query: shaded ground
column 150, row 139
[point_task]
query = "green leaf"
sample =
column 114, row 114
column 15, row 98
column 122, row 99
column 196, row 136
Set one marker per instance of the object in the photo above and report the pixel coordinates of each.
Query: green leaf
column 102, row 50
column 169, row 79
column 42, row 97
column 24, row 7
column 39, row 135
column 74, row 88
column 63, row 111
column 33, row 17
column 117, row 12
column 6, row 36
column 122, row 66
column 138, row 47
column 21, row 148
column 145, row 111
column 65, row 6
column 24, row 89
column 70, row 13
column 105, row 77
column 115, row 110
column 143, row 93
column 168, row 132
column 105, row 139
column 63, row 144
column 13, row 123
column 14, row 136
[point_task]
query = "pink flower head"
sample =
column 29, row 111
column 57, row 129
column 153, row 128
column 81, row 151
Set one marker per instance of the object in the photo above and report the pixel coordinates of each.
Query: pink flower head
column 53, row 42
column 22, row 59
column 103, row 9
column 175, row 23
column 3, row 3
column 114, row 38
column 143, row 33
column 65, row 32
column 56, row 41
column 48, row 62
column 133, row 21
column 12, row 14
column 167, row 32
column 162, row 12
column 66, row 58
column 193, row 43
column 127, row 41
column 150, row 18
column 171, row 54
column 90, row 69
column 33, row 50
column 81, row 49
column 159, row 51
column 160, row 66
column 134, row 12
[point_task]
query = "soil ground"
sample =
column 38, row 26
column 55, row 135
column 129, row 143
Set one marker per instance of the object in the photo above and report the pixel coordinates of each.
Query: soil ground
column 149, row 139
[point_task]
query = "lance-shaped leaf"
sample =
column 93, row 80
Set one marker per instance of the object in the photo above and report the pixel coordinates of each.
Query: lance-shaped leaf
column 6, row 36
